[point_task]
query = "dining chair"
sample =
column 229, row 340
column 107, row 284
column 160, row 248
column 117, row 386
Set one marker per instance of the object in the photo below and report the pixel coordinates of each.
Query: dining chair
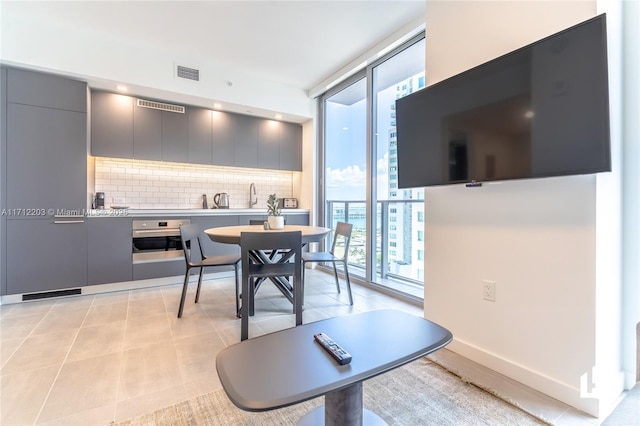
column 254, row 247
column 339, row 254
column 195, row 258
column 261, row 222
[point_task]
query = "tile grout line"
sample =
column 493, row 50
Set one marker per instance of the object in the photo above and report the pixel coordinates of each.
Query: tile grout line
column 53, row 383
column 173, row 337
column 124, row 339
column 26, row 337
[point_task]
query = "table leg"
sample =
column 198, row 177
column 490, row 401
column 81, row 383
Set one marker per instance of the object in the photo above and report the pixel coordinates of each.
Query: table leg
column 342, row 408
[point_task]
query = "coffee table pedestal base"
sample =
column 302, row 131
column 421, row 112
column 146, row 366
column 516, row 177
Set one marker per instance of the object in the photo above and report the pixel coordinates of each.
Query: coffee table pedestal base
column 342, row 408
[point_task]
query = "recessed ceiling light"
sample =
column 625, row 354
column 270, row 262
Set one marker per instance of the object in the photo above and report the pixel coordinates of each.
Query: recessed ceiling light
column 529, row 114
column 217, row 105
column 121, row 88
column 278, row 116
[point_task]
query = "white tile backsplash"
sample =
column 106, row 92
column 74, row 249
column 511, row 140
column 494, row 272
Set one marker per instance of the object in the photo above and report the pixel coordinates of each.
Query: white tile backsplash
column 160, row 185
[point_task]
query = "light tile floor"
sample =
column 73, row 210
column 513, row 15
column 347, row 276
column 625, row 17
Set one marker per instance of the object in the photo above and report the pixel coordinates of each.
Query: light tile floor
column 94, row 359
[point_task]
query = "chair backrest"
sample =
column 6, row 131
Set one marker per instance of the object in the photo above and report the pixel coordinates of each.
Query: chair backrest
column 271, row 241
column 190, row 237
column 342, row 240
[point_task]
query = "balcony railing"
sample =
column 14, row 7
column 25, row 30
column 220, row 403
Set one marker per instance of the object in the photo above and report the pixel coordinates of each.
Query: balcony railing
column 399, row 238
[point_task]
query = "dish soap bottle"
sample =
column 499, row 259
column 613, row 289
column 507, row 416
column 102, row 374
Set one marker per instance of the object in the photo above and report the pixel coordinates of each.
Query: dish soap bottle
column 205, row 205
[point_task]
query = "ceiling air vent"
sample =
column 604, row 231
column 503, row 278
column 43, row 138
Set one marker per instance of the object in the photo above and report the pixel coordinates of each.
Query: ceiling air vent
column 161, row 106
column 188, row 73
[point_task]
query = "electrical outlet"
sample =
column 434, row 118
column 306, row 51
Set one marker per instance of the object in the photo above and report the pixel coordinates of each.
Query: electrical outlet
column 489, row 290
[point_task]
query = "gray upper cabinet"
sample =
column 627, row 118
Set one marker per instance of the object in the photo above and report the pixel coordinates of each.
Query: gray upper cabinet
column 175, row 136
column 147, row 133
column 291, row 147
column 46, row 142
column 46, row 158
column 222, row 131
column 46, row 90
column 122, row 129
column 269, row 144
column 111, row 125
column 200, row 144
column 245, row 141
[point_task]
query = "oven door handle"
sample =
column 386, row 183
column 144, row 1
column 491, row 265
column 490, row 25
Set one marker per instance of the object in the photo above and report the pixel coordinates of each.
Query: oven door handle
column 155, row 231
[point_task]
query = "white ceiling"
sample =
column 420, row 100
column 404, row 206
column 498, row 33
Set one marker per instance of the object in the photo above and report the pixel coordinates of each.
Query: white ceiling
column 300, row 43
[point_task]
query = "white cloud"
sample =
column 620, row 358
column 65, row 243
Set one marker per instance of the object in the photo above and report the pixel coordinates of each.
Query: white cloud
column 350, row 183
column 346, row 184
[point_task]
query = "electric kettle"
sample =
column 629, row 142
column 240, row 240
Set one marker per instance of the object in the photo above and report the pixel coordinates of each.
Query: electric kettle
column 221, row 200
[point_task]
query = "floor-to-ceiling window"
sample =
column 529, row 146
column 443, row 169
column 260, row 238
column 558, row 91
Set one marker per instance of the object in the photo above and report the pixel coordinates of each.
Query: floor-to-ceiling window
column 360, row 170
column 345, row 162
column 398, row 254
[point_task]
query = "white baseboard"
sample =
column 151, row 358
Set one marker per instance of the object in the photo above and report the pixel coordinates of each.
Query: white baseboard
column 121, row 286
column 549, row 386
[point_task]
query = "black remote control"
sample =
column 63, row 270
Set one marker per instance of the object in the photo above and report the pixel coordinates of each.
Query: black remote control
column 343, row 357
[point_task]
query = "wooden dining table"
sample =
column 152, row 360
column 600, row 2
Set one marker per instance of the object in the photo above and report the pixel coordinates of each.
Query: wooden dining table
column 231, row 235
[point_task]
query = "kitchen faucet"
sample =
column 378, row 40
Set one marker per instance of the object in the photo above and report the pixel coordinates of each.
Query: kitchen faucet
column 252, row 190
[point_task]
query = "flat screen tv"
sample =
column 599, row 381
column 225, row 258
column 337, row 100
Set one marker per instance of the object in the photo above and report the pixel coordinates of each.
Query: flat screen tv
column 539, row 111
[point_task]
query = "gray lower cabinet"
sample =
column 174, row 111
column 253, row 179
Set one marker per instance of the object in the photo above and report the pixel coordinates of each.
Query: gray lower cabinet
column 44, row 254
column 170, row 268
column 109, row 250
column 111, row 125
column 209, row 247
column 246, row 220
column 290, row 219
column 296, row 219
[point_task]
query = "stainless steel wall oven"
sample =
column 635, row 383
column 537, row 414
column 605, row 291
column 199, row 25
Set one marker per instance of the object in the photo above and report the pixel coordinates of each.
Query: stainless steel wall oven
column 157, row 240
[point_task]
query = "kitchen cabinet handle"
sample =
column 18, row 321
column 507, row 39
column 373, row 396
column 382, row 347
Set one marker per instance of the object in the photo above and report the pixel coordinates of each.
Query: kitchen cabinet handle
column 68, row 221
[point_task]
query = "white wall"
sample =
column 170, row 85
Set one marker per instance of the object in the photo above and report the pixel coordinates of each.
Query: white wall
column 33, row 41
column 104, row 61
column 551, row 245
column 631, row 195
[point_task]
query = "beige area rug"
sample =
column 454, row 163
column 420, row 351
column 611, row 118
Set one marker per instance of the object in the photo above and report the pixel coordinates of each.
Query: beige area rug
column 419, row 393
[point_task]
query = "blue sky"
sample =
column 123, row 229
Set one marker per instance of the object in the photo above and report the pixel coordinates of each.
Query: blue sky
column 346, row 148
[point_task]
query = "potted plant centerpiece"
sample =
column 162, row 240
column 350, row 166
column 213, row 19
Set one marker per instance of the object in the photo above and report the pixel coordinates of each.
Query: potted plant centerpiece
column 275, row 219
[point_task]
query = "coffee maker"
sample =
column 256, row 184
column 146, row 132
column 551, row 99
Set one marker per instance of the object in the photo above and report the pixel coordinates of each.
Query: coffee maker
column 98, row 202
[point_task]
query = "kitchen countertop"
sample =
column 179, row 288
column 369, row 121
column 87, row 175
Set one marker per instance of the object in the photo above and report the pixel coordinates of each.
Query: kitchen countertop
column 185, row 212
